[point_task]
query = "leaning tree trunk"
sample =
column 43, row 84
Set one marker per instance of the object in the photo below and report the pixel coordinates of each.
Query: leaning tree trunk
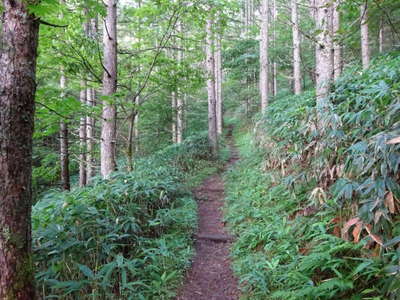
column 212, row 113
column 19, row 41
column 323, row 53
column 296, row 49
column 109, row 126
column 365, row 52
column 264, row 55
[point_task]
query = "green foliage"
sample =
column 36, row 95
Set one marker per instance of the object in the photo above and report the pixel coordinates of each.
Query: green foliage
column 127, row 237
column 301, row 180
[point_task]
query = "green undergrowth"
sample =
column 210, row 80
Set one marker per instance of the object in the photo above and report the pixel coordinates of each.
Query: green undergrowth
column 128, row 237
column 316, row 212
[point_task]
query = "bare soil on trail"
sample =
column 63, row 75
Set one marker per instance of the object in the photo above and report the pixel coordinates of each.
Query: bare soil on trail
column 211, row 276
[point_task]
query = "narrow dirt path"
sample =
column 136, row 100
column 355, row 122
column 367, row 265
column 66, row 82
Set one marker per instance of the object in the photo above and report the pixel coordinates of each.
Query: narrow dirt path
column 211, row 276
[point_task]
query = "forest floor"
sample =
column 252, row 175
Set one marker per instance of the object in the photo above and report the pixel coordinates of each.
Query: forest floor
column 211, row 276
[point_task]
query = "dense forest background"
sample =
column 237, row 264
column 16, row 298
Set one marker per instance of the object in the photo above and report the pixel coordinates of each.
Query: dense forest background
column 131, row 103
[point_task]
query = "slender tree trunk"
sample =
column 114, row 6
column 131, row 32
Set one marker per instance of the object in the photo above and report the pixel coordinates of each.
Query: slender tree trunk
column 179, row 99
column 90, row 125
column 324, row 47
column 275, row 66
column 212, row 113
column 109, row 126
column 174, row 113
column 381, row 35
column 19, row 41
column 136, row 132
column 264, row 55
column 64, row 141
column 82, row 138
column 365, row 52
column 337, row 48
column 296, row 49
column 64, row 144
column 218, row 84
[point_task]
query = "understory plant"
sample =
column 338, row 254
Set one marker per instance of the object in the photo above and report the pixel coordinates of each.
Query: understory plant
column 316, row 213
column 128, row 237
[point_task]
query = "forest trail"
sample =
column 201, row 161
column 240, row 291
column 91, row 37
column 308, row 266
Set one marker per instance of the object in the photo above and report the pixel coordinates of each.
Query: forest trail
column 211, row 276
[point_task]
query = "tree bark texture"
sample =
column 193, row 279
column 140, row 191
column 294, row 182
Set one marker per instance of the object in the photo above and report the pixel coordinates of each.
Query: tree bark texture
column 82, row 138
column 264, row 55
column 64, row 142
column 218, row 85
column 324, row 52
column 90, row 137
column 296, row 49
column 109, row 126
column 212, row 107
column 337, row 48
column 365, row 52
column 17, row 91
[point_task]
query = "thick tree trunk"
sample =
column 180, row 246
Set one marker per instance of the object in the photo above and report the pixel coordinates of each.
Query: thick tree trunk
column 296, row 49
column 337, row 48
column 324, row 52
column 82, row 138
column 17, row 84
column 109, row 126
column 64, row 143
column 264, row 55
column 90, row 124
column 212, row 107
column 365, row 52
column 218, row 85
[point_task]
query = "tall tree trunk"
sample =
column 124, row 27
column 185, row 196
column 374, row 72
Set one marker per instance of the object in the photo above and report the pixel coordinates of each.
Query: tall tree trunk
column 19, row 41
column 337, row 48
column 174, row 113
column 218, row 84
column 212, row 107
column 275, row 66
column 381, row 35
column 64, row 144
column 365, row 52
column 90, row 124
column 324, row 58
column 264, row 55
column 179, row 99
column 136, row 132
column 82, row 138
column 109, row 126
column 296, row 49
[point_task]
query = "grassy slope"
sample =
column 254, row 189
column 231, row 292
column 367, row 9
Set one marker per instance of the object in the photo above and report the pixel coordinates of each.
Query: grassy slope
column 292, row 193
column 125, row 238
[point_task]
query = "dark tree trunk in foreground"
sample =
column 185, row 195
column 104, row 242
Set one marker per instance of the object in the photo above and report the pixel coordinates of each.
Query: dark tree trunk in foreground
column 17, row 89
